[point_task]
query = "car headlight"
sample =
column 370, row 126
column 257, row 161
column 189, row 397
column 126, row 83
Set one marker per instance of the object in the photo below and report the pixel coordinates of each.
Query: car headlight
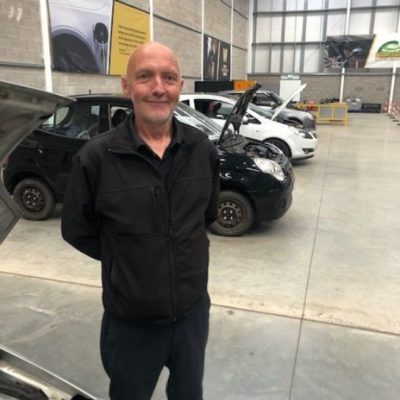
column 310, row 116
column 301, row 132
column 270, row 167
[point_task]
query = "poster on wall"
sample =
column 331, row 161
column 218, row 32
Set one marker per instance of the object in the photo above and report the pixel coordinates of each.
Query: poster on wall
column 216, row 59
column 80, row 33
column 347, row 51
column 385, row 51
column 130, row 29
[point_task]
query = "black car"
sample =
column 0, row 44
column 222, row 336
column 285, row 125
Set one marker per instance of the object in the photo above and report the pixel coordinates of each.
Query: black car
column 256, row 179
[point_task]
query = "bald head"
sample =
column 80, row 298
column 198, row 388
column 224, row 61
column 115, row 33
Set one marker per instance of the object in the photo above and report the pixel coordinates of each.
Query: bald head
column 151, row 50
column 153, row 82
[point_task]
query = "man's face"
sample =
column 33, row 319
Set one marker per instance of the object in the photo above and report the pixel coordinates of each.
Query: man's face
column 154, row 84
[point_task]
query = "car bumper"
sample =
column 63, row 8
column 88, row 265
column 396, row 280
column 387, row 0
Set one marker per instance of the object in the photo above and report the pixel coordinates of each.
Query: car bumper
column 302, row 148
column 274, row 203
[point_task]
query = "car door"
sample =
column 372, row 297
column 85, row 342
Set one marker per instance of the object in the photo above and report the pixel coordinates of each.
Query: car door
column 61, row 136
column 118, row 111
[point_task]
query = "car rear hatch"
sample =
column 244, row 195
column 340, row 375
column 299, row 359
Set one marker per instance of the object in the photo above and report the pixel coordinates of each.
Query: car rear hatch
column 22, row 109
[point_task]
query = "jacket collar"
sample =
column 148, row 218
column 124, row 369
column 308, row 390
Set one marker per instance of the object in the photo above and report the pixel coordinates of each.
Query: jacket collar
column 123, row 141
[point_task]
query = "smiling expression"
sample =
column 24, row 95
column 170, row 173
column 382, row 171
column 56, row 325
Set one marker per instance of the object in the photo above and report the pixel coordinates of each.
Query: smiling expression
column 154, row 83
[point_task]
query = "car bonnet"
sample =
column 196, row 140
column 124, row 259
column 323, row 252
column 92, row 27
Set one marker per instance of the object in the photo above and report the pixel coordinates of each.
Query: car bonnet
column 288, row 100
column 22, row 109
column 238, row 112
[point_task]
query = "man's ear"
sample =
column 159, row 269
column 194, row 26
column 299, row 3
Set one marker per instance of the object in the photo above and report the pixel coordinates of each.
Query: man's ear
column 125, row 85
column 182, row 82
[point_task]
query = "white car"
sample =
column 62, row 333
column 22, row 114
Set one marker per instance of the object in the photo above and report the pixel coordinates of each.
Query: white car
column 295, row 143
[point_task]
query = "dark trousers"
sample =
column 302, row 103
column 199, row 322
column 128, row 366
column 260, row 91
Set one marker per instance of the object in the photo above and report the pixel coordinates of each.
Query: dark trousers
column 133, row 356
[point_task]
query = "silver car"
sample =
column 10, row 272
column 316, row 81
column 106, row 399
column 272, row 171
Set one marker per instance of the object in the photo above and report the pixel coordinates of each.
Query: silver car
column 280, row 110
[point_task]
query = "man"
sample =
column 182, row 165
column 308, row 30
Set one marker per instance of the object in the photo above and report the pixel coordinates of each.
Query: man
column 139, row 199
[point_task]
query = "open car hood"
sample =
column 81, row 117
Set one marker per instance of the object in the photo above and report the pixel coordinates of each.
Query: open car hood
column 238, row 112
column 288, row 100
column 22, row 109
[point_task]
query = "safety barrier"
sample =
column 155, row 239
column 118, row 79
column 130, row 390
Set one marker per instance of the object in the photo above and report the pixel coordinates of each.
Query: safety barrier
column 328, row 113
column 394, row 112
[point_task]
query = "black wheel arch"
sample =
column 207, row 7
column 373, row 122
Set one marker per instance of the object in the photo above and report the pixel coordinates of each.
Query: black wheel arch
column 21, row 175
column 276, row 139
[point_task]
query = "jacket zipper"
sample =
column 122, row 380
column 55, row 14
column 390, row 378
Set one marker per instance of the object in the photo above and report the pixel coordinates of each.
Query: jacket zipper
column 169, row 228
column 172, row 257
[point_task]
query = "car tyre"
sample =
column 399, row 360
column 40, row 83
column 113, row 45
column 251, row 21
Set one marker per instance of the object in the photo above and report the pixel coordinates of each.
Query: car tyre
column 34, row 198
column 281, row 145
column 235, row 215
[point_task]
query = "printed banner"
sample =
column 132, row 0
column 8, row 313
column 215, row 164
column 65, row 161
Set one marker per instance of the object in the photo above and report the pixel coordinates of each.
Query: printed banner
column 80, row 32
column 385, row 51
column 348, row 51
column 130, row 29
column 216, row 60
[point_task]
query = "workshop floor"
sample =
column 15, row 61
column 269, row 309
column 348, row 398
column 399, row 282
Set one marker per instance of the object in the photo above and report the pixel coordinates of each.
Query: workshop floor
column 304, row 308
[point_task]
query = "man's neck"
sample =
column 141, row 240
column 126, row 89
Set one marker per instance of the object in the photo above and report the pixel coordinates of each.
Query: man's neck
column 157, row 137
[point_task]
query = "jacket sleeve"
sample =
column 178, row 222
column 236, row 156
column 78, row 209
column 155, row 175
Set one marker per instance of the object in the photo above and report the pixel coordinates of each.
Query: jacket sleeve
column 212, row 209
column 79, row 225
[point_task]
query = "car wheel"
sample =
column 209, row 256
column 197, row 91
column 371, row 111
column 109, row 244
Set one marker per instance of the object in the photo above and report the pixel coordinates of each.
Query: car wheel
column 34, row 198
column 235, row 215
column 281, row 146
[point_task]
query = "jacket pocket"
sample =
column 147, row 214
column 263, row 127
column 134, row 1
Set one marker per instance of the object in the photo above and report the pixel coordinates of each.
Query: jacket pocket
column 131, row 211
column 140, row 278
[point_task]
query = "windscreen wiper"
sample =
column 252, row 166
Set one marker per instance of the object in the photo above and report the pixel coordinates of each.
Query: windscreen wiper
column 238, row 112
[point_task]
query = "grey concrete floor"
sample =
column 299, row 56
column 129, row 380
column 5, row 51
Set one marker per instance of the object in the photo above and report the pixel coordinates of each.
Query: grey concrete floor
column 304, row 308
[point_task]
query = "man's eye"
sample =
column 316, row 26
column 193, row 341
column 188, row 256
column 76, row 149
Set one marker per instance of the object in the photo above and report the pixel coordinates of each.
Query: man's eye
column 143, row 76
column 171, row 78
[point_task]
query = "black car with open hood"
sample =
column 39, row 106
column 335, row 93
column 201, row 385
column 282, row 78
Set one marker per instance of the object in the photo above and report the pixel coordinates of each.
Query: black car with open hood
column 256, row 178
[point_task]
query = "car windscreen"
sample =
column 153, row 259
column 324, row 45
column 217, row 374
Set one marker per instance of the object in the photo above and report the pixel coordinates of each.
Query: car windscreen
column 189, row 116
column 260, row 111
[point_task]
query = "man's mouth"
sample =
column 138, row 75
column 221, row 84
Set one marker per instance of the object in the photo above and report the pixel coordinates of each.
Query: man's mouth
column 157, row 101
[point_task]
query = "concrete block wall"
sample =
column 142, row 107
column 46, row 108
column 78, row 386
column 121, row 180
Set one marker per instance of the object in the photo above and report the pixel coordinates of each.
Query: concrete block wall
column 184, row 12
column 240, row 26
column 24, row 76
column 185, row 42
column 21, row 43
column 218, row 19
column 240, row 35
column 320, row 87
column 177, row 23
column 369, row 88
column 69, row 84
column 239, row 63
column 270, row 82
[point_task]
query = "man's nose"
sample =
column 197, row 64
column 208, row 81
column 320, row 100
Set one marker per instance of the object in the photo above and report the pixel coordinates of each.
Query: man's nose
column 158, row 85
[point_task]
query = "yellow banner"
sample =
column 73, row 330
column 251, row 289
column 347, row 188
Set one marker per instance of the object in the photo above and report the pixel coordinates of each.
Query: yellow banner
column 130, row 29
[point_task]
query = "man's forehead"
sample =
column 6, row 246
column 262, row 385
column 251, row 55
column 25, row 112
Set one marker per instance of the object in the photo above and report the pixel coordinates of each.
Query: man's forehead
column 156, row 62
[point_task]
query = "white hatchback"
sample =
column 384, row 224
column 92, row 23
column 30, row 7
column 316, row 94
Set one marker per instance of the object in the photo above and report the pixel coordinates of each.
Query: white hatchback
column 295, row 143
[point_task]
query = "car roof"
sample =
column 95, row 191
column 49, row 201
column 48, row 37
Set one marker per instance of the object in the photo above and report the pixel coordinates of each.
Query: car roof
column 210, row 94
column 101, row 96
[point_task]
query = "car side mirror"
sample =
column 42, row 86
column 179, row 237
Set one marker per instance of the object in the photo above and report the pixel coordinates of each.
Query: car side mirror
column 245, row 120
